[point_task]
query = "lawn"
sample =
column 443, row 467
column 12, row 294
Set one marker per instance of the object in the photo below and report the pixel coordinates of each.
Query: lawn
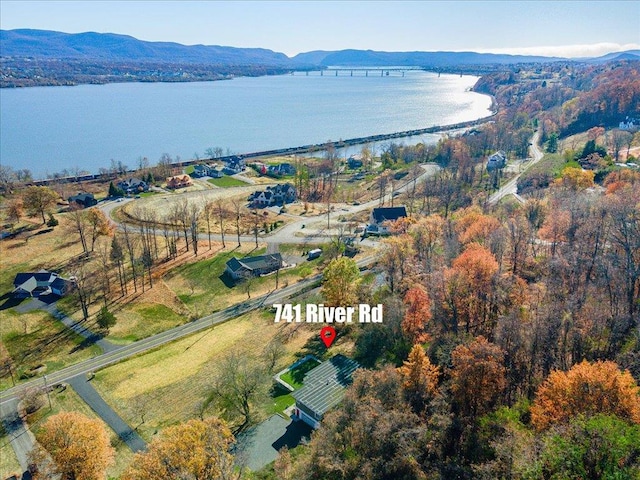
column 203, row 288
column 169, row 384
column 282, row 399
column 295, row 376
column 38, row 344
column 140, row 320
column 226, row 182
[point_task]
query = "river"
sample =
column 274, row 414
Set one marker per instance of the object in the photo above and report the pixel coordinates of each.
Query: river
column 48, row 129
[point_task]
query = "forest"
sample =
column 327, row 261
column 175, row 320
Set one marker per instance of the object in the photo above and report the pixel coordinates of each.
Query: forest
column 511, row 343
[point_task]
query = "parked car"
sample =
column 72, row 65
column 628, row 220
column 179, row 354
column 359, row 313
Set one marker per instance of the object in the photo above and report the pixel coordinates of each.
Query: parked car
column 315, row 253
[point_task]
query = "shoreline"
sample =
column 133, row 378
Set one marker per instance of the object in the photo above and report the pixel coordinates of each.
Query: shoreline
column 300, row 150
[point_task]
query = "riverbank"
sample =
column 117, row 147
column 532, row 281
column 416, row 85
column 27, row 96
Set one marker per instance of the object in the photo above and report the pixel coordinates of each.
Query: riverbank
column 304, row 149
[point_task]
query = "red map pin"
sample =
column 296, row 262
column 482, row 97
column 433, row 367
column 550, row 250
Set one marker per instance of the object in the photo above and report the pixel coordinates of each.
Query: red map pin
column 327, row 335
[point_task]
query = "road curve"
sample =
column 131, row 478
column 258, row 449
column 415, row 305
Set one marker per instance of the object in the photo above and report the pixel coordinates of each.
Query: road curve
column 511, row 187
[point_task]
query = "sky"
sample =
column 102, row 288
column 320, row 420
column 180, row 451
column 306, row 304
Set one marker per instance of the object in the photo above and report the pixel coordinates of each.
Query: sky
column 556, row 28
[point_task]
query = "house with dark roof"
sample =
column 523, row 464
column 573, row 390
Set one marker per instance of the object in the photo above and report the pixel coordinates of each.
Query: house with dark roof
column 234, row 165
column 323, row 388
column 355, row 161
column 239, row 268
column 83, row 200
column 281, row 169
column 133, row 185
column 36, row 284
column 496, row 161
column 273, row 195
column 380, row 218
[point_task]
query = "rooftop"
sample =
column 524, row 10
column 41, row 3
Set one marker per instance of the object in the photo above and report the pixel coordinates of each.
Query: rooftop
column 388, row 213
column 324, row 386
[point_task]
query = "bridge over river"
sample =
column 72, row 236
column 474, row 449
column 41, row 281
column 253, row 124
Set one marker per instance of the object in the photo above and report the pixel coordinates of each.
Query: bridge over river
column 360, row 71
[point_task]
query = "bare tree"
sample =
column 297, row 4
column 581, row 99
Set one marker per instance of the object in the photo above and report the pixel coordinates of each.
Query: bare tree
column 207, row 213
column 239, row 383
column 79, row 225
column 222, row 214
column 130, row 242
column 237, row 208
column 194, row 215
column 117, row 257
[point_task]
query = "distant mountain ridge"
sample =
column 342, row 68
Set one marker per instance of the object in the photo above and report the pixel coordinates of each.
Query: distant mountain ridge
column 436, row 59
column 105, row 47
column 114, row 47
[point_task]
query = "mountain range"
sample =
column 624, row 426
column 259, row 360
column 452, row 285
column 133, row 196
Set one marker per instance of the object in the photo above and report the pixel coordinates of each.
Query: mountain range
column 91, row 46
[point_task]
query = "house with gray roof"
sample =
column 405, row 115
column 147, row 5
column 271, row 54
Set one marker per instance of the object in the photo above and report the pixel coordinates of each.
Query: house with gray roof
column 496, row 161
column 323, row 388
column 36, row 284
column 239, row 268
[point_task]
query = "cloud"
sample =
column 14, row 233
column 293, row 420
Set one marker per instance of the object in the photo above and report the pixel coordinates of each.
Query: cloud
column 569, row 51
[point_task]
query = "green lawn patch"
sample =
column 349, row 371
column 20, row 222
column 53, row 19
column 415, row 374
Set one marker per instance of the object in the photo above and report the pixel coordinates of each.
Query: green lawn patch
column 144, row 320
column 226, row 182
column 189, row 170
column 203, row 287
column 295, row 376
column 282, row 399
column 40, row 344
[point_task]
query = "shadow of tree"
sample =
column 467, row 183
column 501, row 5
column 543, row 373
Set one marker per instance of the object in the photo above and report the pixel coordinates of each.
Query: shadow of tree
column 10, row 301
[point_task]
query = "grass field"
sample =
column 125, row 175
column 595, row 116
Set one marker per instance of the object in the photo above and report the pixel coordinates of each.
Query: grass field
column 169, row 384
column 281, row 399
column 144, row 320
column 226, row 182
column 39, row 344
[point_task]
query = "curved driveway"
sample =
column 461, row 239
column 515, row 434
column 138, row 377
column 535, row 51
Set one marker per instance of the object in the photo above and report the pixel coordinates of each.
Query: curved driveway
column 511, row 187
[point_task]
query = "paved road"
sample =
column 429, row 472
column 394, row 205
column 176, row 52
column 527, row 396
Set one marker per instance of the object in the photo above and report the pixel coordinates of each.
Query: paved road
column 511, row 187
column 72, row 324
column 21, row 439
column 149, row 343
column 310, row 230
column 106, row 413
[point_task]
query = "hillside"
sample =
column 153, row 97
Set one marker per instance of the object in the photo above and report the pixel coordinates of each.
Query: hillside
column 426, row 59
column 71, row 59
column 112, row 47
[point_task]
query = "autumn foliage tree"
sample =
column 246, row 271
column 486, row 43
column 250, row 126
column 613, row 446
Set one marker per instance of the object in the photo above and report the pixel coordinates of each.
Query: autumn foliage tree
column 417, row 315
column 340, row 282
column 39, row 200
column 419, row 379
column 197, row 449
column 469, row 289
column 79, row 447
column 478, row 377
column 588, row 389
